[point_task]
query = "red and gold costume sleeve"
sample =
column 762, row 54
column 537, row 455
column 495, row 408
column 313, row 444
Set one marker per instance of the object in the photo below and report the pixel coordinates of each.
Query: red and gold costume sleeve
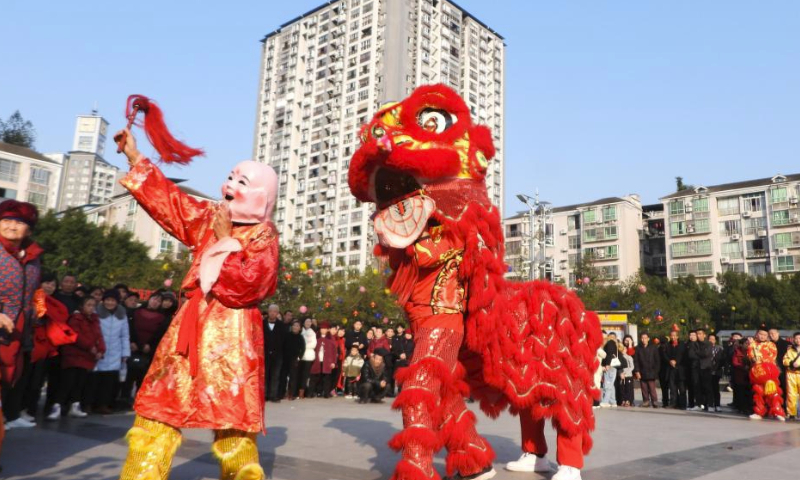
column 250, row 275
column 181, row 215
column 766, row 352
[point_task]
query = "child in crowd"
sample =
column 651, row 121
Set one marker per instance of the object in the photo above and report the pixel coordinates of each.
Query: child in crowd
column 352, row 370
column 79, row 358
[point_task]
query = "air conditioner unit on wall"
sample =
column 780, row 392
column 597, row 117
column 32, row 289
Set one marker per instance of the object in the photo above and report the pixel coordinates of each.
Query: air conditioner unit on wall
column 783, row 251
column 746, row 214
column 725, row 260
column 762, row 233
column 735, row 236
column 562, row 232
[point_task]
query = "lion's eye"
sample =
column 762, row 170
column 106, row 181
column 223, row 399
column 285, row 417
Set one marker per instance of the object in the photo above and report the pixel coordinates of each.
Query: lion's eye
column 435, row 120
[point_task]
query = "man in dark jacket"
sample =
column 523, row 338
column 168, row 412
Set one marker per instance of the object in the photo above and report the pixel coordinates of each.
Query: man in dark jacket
column 691, row 371
column 646, row 365
column 358, row 337
column 274, row 337
column 730, row 350
column 294, row 345
column 702, row 359
column 374, row 382
column 674, row 351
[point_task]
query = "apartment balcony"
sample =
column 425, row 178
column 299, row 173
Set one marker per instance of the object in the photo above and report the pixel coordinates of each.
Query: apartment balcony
column 757, row 254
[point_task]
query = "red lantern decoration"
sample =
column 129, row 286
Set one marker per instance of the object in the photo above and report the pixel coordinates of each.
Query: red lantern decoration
column 371, row 304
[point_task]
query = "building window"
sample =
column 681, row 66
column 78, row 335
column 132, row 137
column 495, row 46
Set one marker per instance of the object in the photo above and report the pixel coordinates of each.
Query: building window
column 688, row 249
column 610, row 233
column 676, row 207
column 782, row 240
column 589, row 216
column 609, row 213
column 732, row 250
column 757, row 269
column 700, row 204
column 781, row 217
column 730, row 227
column 84, row 144
column 166, row 244
column 40, row 176
column 38, row 199
column 753, row 225
column 574, row 241
column 133, row 206
column 786, row 264
column 753, row 203
column 779, row 195
column 728, row 206
column 9, row 171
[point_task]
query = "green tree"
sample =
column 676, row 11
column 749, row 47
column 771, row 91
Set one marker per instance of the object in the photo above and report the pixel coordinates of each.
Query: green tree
column 98, row 257
column 335, row 296
column 17, row 131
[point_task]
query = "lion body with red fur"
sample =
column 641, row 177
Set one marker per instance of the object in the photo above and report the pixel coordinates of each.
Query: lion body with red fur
column 526, row 346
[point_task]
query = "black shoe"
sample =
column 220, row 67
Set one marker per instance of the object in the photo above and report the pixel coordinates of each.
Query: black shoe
column 376, row 400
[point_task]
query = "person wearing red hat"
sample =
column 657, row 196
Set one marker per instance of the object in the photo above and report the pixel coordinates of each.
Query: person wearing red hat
column 20, row 270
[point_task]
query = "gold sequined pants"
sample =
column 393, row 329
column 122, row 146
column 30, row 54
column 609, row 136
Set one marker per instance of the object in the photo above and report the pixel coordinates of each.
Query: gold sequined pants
column 152, row 445
column 434, row 414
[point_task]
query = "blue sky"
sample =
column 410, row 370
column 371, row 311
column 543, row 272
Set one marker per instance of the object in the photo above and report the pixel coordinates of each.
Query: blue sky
column 603, row 98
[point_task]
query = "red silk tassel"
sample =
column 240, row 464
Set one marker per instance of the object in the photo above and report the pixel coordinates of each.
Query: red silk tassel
column 169, row 148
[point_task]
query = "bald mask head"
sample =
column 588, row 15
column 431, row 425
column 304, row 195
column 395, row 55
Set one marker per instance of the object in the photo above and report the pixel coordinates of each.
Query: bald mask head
column 250, row 191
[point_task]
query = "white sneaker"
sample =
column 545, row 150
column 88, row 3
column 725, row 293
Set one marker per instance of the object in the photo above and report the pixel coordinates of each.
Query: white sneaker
column 567, row 473
column 20, row 423
column 717, row 409
column 780, row 418
column 55, row 413
column 529, row 462
column 605, row 405
column 75, row 411
column 27, row 417
column 614, row 405
column 755, row 416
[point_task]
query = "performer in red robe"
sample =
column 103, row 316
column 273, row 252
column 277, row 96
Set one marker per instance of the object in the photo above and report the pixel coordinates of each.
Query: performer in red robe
column 208, row 371
column 765, row 377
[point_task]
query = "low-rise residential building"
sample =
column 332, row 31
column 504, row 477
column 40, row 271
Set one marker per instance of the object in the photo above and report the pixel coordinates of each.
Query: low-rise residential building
column 125, row 213
column 751, row 227
column 605, row 234
column 29, row 176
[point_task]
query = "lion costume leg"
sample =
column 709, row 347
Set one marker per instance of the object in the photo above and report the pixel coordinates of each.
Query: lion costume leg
column 237, row 453
column 151, row 447
column 569, row 450
column 467, row 452
column 423, row 381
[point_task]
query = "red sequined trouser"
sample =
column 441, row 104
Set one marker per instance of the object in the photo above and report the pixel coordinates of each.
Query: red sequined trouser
column 767, row 393
column 569, row 450
column 434, row 413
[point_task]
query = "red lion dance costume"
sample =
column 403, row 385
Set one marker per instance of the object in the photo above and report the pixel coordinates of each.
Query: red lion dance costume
column 208, row 371
column 529, row 347
column 764, row 376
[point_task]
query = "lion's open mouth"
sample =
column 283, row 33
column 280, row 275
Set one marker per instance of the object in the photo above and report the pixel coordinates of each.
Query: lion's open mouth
column 392, row 186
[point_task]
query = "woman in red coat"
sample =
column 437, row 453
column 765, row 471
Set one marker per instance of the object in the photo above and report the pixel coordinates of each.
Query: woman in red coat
column 208, row 369
column 79, row 358
column 325, row 355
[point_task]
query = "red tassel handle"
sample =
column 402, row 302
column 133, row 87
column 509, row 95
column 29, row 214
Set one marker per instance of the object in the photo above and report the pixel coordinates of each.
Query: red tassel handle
column 170, row 149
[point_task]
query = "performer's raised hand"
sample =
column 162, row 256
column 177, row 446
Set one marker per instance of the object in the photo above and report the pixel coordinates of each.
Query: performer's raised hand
column 129, row 148
column 222, row 222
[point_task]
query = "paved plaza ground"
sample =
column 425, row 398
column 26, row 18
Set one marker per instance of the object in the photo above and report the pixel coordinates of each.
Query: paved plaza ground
column 340, row 440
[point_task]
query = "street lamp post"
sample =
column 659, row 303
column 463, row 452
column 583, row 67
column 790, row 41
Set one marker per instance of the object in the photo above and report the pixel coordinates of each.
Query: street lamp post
column 537, row 233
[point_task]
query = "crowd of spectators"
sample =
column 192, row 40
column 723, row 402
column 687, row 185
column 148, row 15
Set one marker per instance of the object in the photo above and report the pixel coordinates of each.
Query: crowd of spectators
column 111, row 335
column 691, row 371
column 312, row 358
